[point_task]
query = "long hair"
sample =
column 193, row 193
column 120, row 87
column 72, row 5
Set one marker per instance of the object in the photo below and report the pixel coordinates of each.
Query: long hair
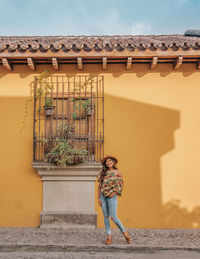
column 105, row 169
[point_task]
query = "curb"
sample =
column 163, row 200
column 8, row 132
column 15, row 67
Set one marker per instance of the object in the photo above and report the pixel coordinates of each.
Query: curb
column 87, row 248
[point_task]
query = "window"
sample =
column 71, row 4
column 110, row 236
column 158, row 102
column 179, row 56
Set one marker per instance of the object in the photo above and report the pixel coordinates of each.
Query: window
column 75, row 101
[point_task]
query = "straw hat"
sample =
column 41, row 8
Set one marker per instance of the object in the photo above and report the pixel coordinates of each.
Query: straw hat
column 106, row 157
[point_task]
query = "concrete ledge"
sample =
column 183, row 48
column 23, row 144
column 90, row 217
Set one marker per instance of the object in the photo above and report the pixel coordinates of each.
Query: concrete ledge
column 67, row 220
column 93, row 166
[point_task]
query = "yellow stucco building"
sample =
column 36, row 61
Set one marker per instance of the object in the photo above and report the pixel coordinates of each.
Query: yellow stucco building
column 151, row 122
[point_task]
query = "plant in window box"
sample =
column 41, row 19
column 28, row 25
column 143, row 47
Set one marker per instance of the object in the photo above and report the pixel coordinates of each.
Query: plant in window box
column 49, row 106
column 61, row 151
column 63, row 154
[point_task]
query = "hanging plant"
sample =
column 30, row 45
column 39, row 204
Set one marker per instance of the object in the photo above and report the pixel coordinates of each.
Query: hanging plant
column 44, row 91
column 82, row 103
column 49, row 106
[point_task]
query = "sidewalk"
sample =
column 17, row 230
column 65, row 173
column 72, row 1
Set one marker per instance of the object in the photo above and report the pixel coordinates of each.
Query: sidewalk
column 92, row 240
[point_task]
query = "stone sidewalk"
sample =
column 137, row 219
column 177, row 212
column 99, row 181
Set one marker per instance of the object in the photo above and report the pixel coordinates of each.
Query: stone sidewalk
column 92, row 240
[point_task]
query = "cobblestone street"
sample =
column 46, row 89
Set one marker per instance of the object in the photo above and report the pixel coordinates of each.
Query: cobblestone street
column 167, row 254
column 89, row 243
column 139, row 237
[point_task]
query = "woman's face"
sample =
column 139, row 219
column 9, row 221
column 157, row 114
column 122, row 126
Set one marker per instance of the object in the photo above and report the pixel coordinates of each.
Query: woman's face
column 109, row 163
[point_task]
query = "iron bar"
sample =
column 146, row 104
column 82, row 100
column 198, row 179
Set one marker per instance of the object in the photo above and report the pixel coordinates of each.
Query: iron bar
column 34, row 119
column 68, row 101
column 103, row 109
column 39, row 117
column 97, row 102
column 57, row 88
column 62, row 99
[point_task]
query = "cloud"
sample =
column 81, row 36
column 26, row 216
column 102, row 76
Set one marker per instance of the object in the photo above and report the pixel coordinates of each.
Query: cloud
column 113, row 25
column 141, row 28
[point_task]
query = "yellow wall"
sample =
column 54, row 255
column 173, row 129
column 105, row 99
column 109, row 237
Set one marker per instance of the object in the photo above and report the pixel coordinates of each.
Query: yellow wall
column 152, row 125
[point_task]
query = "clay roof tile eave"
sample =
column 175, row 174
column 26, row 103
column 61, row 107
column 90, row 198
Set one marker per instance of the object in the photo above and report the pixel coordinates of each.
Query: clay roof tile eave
column 117, row 42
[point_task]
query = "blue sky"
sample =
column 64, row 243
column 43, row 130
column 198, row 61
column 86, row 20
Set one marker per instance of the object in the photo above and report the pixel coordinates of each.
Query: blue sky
column 98, row 17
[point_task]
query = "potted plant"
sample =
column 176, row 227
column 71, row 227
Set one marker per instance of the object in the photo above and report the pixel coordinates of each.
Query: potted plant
column 49, row 106
column 44, row 92
column 82, row 107
column 63, row 154
column 61, row 151
column 90, row 110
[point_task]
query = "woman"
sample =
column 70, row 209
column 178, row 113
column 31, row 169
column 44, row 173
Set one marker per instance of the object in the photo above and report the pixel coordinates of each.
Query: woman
column 110, row 185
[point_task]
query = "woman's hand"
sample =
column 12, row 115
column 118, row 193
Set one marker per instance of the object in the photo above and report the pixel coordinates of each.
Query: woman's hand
column 99, row 202
column 113, row 194
column 119, row 174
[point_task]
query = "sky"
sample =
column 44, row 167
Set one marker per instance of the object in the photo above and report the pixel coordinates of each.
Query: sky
column 98, row 17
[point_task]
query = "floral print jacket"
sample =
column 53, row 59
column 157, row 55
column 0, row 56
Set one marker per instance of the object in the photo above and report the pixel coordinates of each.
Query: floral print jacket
column 112, row 183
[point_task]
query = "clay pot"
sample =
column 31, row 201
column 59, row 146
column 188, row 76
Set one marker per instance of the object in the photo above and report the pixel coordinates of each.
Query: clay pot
column 49, row 110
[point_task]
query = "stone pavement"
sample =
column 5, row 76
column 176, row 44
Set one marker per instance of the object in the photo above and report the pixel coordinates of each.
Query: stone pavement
column 89, row 243
column 162, row 254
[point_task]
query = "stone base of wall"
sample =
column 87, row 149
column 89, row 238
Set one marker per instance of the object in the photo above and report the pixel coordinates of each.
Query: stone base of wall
column 68, row 220
column 68, row 195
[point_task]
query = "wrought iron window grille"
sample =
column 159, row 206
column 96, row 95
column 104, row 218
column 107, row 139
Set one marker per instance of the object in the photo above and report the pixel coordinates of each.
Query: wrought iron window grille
column 69, row 109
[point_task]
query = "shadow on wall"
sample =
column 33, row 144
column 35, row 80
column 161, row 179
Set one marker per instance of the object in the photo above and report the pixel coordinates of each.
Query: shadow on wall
column 139, row 134
column 176, row 216
column 116, row 70
column 20, row 186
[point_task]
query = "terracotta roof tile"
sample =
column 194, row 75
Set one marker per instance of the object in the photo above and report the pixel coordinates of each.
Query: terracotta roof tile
column 130, row 42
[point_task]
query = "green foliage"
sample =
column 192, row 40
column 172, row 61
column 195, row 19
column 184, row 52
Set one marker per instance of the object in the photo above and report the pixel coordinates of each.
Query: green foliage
column 86, row 105
column 65, row 131
column 61, row 151
column 74, row 115
column 44, row 90
column 48, row 102
column 78, row 104
column 45, row 87
column 83, row 86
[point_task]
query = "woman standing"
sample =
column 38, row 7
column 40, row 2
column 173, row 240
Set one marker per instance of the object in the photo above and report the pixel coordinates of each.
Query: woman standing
column 110, row 185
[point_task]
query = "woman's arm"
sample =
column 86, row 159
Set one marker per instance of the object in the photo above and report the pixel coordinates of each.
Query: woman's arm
column 119, row 173
column 113, row 194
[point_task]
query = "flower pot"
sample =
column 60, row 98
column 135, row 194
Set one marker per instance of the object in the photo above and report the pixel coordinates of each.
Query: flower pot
column 90, row 112
column 80, row 158
column 74, row 159
column 49, row 110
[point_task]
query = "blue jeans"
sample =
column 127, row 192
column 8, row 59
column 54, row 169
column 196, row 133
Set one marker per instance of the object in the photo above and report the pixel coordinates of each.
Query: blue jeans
column 109, row 208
